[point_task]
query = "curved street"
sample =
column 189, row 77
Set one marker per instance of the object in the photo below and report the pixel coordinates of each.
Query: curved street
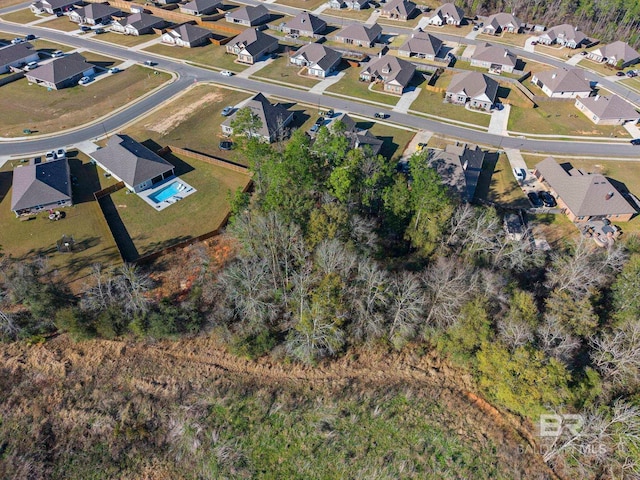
column 187, row 75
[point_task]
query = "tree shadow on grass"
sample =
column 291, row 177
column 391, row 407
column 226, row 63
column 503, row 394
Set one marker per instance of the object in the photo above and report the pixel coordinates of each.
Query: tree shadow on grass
column 483, row 187
column 389, row 147
column 119, row 230
column 5, row 184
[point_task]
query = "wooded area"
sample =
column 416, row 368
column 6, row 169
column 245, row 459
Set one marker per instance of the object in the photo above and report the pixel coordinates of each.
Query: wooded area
column 606, row 20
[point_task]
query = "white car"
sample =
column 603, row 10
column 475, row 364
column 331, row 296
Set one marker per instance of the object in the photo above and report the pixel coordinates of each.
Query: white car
column 31, row 65
column 114, row 70
column 226, row 73
column 57, row 53
column 84, row 81
column 520, row 174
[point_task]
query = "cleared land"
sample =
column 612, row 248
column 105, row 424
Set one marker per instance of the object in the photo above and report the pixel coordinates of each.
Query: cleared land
column 199, row 213
column 20, row 16
column 559, row 118
column 32, row 106
column 83, row 221
column 209, row 55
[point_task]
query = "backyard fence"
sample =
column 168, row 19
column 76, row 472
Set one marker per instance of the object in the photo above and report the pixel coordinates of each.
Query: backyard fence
column 108, row 191
column 11, row 78
column 221, row 162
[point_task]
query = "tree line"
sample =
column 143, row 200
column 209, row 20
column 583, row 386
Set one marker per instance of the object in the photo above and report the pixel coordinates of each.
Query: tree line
column 337, row 248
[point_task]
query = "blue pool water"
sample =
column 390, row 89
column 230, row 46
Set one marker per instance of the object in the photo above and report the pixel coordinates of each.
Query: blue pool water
column 167, row 192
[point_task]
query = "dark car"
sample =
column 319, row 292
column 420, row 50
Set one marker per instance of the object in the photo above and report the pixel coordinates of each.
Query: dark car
column 635, row 141
column 320, row 121
column 225, row 145
column 226, row 111
column 99, row 30
column 380, row 115
column 31, row 36
column 620, row 74
column 314, row 128
column 547, row 199
column 84, row 28
column 534, row 199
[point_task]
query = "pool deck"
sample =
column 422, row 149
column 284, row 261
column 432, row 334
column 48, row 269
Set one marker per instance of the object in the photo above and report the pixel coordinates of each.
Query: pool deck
column 182, row 193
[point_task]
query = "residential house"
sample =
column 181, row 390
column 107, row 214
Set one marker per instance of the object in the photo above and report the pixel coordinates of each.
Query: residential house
column 607, row 110
column 360, row 138
column 249, row 16
column 41, row 186
column 401, row 10
column 138, row 24
column 502, row 22
column 359, row 35
column 583, row 196
column 320, row 61
column 251, row 45
column 475, row 88
column 615, row 52
column 565, row 35
column 494, row 58
column 94, row 13
column 52, row 6
column 305, row 25
column 563, row 83
column 350, row 4
column 421, row 45
column 459, row 168
column 187, row 35
column 274, row 119
column 17, row 56
column 201, row 7
column 61, row 72
column 132, row 163
column 447, row 14
column 392, row 71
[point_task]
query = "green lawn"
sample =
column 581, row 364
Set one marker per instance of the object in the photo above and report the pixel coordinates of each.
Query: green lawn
column 199, row 213
column 559, row 118
column 460, row 31
column 50, row 47
column 634, row 82
column 352, row 87
column 32, row 106
column 556, row 51
column 395, row 139
column 433, row 103
column 497, row 183
column 125, row 40
column 602, row 68
column 60, row 23
column 210, row 55
column 192, row 120
column 347, row 14
column 411, row 23
column 302, row 4
column 20, row 16
column 83, row 221
column 283, row 71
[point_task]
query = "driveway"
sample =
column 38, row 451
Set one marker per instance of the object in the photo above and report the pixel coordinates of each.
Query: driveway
column 499, row 120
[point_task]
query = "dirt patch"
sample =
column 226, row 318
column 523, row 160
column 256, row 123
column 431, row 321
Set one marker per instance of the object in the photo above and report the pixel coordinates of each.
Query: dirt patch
column 172, row 121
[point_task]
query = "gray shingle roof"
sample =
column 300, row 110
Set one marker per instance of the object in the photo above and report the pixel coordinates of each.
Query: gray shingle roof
column 618, row 50
column 316, row 53
column 474, row 85
column 61, row 69
column 131, row 161
column 585, row 194
column 422, row 43
column 249, row 13
column 97, row 10
column 199, row 5
column 41, row 184
column 610, row 108
column 502, row 19
column 141, row 21
column 564, row 80
column 306, row 22
column 360, row 32
column 359, row 138
column 254, row 41
column 486, row 52
column 391, row 69
column 190, row 33
column 273, row 117
column 567, row 31
column 55, row 4
column 399, row 7
column 449, row 10
column 459, row 167
column 12, row 53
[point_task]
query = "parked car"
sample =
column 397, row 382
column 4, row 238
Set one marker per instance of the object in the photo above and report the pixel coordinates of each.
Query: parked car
column 534, row 199
column 635, row 141
column 226, row 111
column 114, row 70
column 50, row 155
column 631, row 74
column 57, row 53
column 99, row 30
column 520, row 174
column 17, row 40
column 226, row 73
column 583, row 53
column 149, row 63
column 84, row 81
column 31, row 65
column 225, row 145
column 476, row 28
column 420, row 146
column 619, row 74
column 380, row 115
column 29, row 37
column 61, row 153
column 535, row 42
column 329, row 113
column 314, row 128
column 85, row 28
column 547, row 199
column 319, row 121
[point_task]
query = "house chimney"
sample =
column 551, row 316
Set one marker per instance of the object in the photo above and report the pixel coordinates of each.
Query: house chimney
column 596, row 99
column 506, row 52
column 608, row 196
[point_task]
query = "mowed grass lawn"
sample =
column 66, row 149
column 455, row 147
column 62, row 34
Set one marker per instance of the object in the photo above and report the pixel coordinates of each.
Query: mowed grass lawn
column 60, row 23
column 283, row 71
column 497, row 183
column 20, row 16
column 351, row 86
column 210, row 55
column 199, row 213
column 125, row 40
column 432, row 103
column 83, row 221
column 33, row 106
column 559, row 118
column 192, row 121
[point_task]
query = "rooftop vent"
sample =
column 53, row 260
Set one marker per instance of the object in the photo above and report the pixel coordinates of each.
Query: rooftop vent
column 608, row 196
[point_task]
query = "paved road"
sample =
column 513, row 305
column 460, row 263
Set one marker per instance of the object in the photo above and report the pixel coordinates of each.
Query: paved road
column 188, row 74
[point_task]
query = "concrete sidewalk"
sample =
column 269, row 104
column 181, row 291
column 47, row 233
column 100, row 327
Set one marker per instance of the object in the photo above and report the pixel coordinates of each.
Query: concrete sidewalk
column 254, row 68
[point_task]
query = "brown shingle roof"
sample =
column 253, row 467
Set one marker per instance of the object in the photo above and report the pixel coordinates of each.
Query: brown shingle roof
column 610, row 108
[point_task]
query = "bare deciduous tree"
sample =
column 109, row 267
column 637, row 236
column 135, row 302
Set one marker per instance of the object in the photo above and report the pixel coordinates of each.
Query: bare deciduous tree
column 406, row 308
column 370, row 298
column 617, row 354
column 515, row 333
column 331, row 256
column 314, row 336
column 556, row 341
column 125, row 287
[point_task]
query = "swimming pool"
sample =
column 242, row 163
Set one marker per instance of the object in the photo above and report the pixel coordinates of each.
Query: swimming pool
column 167, row 192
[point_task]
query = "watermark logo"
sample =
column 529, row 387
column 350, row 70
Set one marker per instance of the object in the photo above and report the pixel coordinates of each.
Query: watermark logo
column 553, row 425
